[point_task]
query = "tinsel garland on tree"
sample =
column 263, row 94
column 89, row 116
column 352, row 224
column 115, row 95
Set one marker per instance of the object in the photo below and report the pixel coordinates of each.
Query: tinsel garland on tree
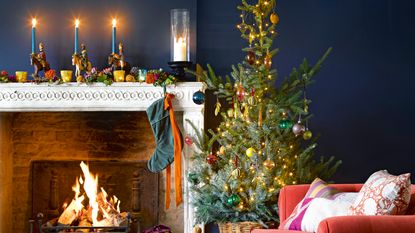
column 263, row 138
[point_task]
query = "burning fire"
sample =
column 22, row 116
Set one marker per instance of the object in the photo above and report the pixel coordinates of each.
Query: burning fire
column 91, row 205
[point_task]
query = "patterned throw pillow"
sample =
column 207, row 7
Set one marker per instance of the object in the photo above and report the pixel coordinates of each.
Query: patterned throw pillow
column 318, row 188
column 383, row 194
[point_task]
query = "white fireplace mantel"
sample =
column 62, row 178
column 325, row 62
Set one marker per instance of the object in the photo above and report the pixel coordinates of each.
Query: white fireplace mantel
column 24, row 97
column 31, row 97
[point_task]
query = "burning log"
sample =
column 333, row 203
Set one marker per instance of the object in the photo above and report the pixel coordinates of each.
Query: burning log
column 70, row 214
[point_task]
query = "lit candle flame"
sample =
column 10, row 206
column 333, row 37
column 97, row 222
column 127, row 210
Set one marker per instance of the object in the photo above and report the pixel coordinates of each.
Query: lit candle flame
column 34, row 22
column 77, row 23
column 114, row 23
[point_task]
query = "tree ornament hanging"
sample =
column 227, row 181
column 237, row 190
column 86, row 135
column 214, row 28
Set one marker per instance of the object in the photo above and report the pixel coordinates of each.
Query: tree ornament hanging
column 307, row 135
column 274, row 18
column 199, row 97
column 236, row 199
column 230, row 112
column 250, row 152
column 250, row 57
column 211, row 159
column 285, row 124
column 298, row 128
column 236, row 173
column 197, row 229
column 269, row 163
column 240, row 92
column 229, row 201
column 268, row 61
column 233, row 200
column 221, row 150
column 188, row 140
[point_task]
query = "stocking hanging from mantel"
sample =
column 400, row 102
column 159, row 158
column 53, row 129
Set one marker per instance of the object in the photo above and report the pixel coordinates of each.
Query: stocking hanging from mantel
column 168, row 145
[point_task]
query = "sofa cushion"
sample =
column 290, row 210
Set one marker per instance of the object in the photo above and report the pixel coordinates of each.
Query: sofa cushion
column 318, row 188
column 383, row 194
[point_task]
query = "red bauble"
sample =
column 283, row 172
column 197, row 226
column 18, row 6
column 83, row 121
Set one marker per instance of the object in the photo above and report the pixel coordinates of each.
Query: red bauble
column 188, row 140
column 211, row 159
column 250, row 58
column 240, row 92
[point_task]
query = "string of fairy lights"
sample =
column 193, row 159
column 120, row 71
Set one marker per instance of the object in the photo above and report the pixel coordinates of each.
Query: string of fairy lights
column 257, row 26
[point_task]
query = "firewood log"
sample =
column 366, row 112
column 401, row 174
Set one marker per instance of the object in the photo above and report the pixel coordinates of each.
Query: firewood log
column 70, row 213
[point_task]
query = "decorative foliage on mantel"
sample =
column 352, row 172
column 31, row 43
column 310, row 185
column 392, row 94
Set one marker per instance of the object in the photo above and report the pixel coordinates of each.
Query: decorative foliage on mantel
column 106, row 76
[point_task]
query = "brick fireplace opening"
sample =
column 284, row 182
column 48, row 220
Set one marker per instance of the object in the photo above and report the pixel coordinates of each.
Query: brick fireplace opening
column 104, row 137
column 74, row 122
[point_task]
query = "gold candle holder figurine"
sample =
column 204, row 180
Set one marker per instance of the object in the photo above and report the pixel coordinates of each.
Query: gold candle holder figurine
column 21, row 76
column 119, row 75
column 66, row 76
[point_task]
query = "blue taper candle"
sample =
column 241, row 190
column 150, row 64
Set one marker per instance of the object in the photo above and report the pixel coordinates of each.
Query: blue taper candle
column 76, row 36
column 34, row 22
column 114, row 34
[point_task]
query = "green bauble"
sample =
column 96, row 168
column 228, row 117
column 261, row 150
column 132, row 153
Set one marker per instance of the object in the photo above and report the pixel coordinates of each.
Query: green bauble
column 236, row 199
column 307, row 135
column 285, row 124
column 229, row 201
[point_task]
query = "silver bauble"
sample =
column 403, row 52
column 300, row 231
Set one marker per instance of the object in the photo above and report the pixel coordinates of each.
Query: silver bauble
column 298, row 129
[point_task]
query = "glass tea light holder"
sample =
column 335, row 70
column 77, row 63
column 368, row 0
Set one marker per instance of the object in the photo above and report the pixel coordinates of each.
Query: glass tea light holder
column 119, row 75
column 180, row 42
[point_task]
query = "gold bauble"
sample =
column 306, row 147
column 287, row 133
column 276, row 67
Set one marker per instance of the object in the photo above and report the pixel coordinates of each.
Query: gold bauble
column 230, row 112
column 130, row 78
column 307, row 135
column 250, row 152
column 236, row 173
column 269, row 163
column 222, row 150
column 197, row 229
column 274, row 18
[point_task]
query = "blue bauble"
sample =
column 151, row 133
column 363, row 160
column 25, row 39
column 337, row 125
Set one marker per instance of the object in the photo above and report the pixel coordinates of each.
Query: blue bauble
column 199, row 97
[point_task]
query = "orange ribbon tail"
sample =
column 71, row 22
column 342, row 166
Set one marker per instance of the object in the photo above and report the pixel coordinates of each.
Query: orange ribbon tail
column 177, row 156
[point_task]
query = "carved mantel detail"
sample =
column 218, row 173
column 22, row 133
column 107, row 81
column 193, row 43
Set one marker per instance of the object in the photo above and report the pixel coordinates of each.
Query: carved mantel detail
column 18, row 97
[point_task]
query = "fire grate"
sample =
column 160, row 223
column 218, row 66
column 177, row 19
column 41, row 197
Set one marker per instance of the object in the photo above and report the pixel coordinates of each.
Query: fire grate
column 44, row 228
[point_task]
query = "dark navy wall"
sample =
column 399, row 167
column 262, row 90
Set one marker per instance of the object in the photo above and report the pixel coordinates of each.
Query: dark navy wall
column 144, row 28
column 364, row 97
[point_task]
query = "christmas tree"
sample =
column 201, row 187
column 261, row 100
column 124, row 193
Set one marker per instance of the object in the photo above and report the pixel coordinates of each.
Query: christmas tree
column 263, row 140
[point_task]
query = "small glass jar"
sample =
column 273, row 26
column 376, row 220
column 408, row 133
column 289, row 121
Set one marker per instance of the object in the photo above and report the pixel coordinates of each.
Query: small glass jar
column 142, row 75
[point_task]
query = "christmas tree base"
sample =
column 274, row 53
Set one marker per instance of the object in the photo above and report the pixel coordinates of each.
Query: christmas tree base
column 238, row 227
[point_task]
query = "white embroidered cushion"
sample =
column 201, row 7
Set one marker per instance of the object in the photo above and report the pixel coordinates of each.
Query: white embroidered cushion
column 383, row 194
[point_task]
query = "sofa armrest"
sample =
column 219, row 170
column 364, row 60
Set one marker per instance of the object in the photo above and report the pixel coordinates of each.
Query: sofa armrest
column 368, row 224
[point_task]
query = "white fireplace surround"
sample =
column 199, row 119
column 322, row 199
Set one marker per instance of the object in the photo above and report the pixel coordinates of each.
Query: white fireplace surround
column 74, row 97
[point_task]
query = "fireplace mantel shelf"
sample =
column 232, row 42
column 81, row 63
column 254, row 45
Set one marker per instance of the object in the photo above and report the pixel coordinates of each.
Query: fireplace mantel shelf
column 44, row 97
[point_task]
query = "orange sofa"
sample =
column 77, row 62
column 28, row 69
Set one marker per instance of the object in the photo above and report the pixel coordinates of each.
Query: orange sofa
column 291, row 195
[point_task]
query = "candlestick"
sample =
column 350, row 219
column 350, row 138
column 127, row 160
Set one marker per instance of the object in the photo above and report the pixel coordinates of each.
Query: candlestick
column 114, row 32
column 34, row 22
column 76, row 36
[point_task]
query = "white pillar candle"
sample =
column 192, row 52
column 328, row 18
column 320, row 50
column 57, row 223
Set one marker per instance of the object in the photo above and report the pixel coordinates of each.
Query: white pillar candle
column 180, row 50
